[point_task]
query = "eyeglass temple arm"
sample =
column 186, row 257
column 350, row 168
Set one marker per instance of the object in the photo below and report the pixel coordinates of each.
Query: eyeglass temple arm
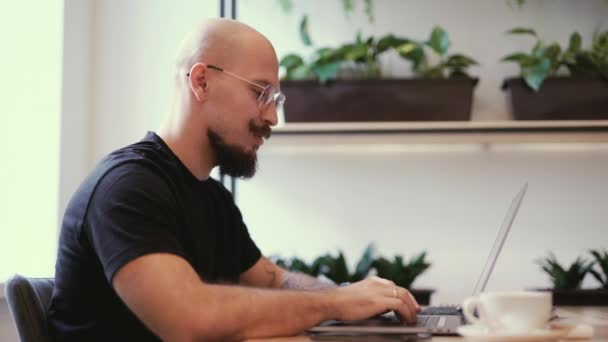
column 210, row 67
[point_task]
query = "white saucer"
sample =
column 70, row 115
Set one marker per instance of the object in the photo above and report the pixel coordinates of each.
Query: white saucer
column 478, row 333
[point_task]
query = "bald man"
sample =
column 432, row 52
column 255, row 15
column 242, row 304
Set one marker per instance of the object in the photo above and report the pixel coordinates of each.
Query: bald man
column 153, row 248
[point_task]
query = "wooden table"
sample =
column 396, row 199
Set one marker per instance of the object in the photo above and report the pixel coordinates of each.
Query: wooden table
column 594, row 316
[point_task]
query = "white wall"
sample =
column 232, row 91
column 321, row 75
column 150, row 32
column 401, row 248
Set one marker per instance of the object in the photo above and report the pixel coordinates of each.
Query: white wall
column 77, row 109
column 30, row 94
column 448, row 200
column 134, row 45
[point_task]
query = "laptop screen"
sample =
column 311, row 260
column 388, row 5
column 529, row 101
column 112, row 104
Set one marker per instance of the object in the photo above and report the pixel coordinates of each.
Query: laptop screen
column 500, row 240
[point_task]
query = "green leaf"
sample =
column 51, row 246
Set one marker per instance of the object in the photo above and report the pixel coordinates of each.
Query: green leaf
column 299, row 265
column 439, row 41
column 419, row 60
column 348, row 6
column 406, row 49
column 301, row 72
column 291, row 61
column 460, row 61
column 400, row 273
column 523, row 30
column 521, row 58
column 539, row 49
column 599, row 278
column 324, row 54
column 601, row 259
column 304, row 35
column 600, row 40
column 433, row 72
column 339, row 272
column 286, row 5
column 356, row 53
column 575, row 43
column 571, row 278
column 389, row 41
column 326, row 71
column 553, row 52
column 365, row 263
column 535, row 74
column 359, row 38
column 369, row 10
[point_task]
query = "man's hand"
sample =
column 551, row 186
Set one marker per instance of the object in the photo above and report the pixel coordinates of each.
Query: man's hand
column 374, row 296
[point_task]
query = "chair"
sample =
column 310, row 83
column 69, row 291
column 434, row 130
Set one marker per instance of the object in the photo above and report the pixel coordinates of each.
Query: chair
column 28, row 299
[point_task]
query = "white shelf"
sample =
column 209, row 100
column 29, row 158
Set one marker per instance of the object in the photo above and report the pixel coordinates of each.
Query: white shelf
column 484, row 132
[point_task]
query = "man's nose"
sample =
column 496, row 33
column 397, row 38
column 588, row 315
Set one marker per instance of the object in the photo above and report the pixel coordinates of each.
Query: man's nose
column 269, row 115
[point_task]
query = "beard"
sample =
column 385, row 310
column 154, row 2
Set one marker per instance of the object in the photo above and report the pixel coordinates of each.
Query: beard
column 234, row 160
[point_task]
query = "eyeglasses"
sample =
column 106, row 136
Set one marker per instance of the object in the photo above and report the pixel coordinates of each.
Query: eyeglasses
column 269, row 92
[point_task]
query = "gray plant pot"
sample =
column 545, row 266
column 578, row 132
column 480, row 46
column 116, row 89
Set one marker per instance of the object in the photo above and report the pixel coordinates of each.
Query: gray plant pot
column 579, row 297
column 423, row 296
column 559, row 98
column 379, row 100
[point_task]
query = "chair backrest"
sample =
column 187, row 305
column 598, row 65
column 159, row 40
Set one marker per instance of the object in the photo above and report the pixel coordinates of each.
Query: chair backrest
column 28, row 300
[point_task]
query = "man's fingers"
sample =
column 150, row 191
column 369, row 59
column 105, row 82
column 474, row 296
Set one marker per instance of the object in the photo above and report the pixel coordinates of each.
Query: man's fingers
column 402, row 310
column 418, row 308
column 409, row 304
column 408, row 298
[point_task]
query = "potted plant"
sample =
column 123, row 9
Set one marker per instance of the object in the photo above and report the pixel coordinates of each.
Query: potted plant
column 404, row 274
column 560, row 84
column 567, row 282
column 331, row 267
column 601, row 261
column 345, row 83
column 336, row 269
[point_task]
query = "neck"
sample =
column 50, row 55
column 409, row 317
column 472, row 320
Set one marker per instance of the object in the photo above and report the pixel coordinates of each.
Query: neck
column 187, row 139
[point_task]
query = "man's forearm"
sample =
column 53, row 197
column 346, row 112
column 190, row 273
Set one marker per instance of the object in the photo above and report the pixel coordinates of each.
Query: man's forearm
column 301, row 281
column 235, row 312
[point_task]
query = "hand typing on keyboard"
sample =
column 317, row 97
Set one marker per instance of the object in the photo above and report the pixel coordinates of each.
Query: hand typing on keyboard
column 373, row 296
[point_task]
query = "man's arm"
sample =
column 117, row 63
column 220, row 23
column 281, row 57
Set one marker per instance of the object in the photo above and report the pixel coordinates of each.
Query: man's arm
column 167, row 295
column 265, row 273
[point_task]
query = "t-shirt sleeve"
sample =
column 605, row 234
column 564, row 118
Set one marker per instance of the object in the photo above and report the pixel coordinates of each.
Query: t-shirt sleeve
column 250, row 253
column 131, row 214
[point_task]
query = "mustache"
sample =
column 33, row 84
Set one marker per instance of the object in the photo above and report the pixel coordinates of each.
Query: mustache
column 263, row 131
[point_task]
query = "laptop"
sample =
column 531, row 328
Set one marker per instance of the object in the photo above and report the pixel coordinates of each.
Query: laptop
column 443, row 320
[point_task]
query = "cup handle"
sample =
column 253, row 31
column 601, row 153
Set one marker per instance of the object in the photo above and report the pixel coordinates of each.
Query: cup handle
column 468, row 309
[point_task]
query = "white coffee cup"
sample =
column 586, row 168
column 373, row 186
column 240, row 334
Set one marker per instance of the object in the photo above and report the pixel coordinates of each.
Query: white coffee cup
column 517, row 311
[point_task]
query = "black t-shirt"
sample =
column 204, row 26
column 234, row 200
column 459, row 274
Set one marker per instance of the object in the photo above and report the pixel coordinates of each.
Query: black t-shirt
column 138, row 200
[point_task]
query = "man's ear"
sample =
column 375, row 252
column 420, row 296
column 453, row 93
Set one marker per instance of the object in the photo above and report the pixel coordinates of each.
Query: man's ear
column 198, row 81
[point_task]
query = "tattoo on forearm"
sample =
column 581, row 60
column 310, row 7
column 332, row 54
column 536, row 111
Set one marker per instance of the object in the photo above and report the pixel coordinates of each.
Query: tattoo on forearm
column 271, row 270
column 301, row 281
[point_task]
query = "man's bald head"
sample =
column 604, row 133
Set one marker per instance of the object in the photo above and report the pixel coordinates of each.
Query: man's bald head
column 224, row 42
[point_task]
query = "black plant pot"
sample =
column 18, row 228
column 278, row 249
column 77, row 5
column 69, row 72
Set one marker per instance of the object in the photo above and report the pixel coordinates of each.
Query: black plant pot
column 423, row 296
column 560, row 98
column 379, row 100
column 579, row 297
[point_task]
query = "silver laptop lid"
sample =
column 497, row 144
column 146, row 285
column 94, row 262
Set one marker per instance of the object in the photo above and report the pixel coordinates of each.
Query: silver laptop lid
column 500, row 241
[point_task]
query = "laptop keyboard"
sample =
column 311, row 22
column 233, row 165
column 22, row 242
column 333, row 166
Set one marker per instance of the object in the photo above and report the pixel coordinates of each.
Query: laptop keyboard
column 427, row 322
column 442, row 310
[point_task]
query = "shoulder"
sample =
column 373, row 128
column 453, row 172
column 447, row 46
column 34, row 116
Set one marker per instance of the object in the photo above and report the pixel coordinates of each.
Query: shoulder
column 134, row 178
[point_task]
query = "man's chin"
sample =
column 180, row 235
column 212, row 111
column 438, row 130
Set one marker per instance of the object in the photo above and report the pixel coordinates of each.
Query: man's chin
column 235, row 161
